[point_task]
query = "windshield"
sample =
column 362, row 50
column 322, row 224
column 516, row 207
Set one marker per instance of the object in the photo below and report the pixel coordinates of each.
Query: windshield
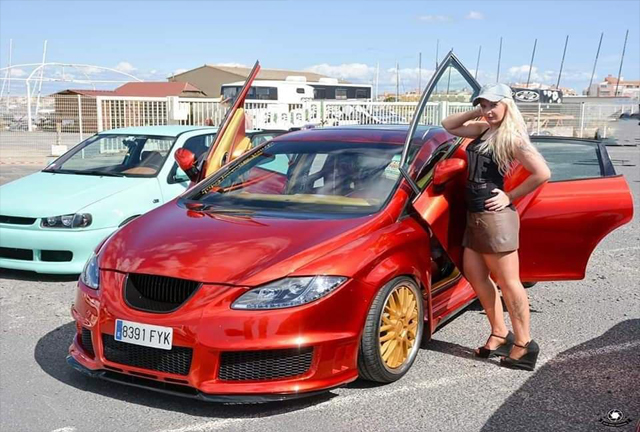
column 307, row 177
column 116, row 155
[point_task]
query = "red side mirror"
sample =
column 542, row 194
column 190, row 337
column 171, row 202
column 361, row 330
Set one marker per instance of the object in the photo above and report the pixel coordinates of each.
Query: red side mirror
column 187, row 162
column 448, row 169
column 185, row 158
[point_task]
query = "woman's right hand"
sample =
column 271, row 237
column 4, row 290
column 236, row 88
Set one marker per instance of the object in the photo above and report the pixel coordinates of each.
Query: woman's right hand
column 463, row 124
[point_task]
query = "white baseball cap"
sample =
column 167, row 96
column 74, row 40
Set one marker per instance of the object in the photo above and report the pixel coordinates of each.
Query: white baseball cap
column 493, row 93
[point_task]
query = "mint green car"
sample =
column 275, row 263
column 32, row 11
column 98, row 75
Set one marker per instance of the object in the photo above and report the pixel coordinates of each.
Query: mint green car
column 51, row 221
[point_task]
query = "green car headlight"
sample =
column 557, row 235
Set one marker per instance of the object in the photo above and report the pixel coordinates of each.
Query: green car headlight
column 90, row 275
column 288, row 292
column 77, row 220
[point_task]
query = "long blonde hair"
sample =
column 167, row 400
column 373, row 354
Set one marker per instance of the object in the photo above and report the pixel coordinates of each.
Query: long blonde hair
column 511, row 134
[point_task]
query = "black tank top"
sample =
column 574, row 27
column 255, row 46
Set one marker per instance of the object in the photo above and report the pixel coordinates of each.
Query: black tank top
column 484, row 176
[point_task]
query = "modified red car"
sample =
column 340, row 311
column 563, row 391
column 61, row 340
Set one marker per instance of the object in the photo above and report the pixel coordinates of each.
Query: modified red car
column 321, row 256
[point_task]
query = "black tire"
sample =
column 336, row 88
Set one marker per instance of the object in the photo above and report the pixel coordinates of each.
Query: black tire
column 528, row 284
column 371, row 365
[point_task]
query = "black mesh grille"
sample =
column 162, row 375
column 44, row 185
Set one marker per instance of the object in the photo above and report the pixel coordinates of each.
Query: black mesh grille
column 177, row 360
column 264, row 365
column 157, row 293
column 14, row 220
column 87, row 343
column 56, row 256
column 16, row 254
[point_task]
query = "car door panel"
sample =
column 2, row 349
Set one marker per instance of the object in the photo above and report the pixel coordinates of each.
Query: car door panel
column 561, row 222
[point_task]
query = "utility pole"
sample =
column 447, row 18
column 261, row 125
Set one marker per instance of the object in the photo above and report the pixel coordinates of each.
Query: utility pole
column 397, row 82
column 377, row 79
column 533, row 54
column 595, row 62
column 615, row 94
column 499, row 57
column 478, row 62
column 562, row 62
column 419, row 73
column 44, row 55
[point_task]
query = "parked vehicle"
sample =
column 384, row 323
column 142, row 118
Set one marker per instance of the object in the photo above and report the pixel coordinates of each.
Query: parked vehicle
column 318, row 257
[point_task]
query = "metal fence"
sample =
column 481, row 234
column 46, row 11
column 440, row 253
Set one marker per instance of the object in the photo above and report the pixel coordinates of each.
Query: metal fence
column 64, row 120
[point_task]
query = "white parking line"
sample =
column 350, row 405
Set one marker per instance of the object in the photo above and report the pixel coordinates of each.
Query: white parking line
column 385, row 392
column 65, row 429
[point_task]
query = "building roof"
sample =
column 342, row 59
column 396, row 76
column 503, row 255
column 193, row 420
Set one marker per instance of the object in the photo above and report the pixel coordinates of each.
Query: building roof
column 156, row 89
column 264, row 74
column 613, row 80
column 87, row 92
column 143, row 89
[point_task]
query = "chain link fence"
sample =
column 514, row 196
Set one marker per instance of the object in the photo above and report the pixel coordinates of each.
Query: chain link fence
column 61, row 121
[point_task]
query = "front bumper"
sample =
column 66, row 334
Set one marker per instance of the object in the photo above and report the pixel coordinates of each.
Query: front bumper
column 79, row 242
column 209, row 327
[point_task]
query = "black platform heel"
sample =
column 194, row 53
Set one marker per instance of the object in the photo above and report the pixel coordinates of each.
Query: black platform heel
column 502, row 350
column 527, row 361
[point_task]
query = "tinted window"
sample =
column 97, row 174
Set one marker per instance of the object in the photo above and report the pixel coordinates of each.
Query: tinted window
column 308, row 177
column 570, row 159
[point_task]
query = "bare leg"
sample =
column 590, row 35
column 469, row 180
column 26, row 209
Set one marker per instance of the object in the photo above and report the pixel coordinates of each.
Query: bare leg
column 477, row 273
column 505, row 267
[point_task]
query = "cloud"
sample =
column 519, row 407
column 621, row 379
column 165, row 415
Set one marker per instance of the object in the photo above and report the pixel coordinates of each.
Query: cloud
column 473, row 15
column 179, row 71
column 434, row 18
column 17, row 72
column 520, row 73
column 125, row 67
column 347, row 71
column 90, row 70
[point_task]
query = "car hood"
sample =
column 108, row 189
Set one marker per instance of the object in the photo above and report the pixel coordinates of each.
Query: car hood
column 225, row 248
column 48, row 194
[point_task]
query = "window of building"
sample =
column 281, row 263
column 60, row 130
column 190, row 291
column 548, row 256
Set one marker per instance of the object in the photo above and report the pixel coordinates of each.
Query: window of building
column 341, row 93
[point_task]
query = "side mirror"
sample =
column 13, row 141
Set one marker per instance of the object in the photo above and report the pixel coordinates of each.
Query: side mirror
column 446, row 170
column 187, row 162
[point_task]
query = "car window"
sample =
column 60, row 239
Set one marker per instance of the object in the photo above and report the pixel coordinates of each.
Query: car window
column 308, row 177
column 570, row 160
column 198, row 145
column 118, row 155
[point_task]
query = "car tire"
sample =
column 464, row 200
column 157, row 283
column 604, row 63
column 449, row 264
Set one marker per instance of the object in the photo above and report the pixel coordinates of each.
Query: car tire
column 528, row 284
column 385, row 355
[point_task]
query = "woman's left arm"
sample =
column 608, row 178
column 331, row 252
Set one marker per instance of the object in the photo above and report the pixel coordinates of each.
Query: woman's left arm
column 540, row 173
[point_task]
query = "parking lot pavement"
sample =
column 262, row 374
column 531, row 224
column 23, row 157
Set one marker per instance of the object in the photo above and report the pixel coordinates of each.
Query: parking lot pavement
column 589, row 333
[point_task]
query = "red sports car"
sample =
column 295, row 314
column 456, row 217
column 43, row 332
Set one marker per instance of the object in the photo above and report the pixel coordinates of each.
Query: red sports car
column 321, row 256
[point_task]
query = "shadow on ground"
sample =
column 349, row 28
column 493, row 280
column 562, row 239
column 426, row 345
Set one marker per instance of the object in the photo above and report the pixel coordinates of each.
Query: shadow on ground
column 22, row 275
column 574, row 390
column 51, row 351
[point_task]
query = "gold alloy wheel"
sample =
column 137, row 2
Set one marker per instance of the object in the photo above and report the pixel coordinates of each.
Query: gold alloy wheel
column 398, row 326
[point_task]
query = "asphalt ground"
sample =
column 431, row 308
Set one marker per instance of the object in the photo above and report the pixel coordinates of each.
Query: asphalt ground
column 588, row 331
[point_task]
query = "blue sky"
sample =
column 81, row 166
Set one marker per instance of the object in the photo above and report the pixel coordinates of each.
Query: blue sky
column 152, row 39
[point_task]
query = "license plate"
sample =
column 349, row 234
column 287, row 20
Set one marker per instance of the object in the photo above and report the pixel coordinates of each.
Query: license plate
column 144, row 334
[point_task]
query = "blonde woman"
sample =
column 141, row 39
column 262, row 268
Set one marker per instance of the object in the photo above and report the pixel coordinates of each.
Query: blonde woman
column 491, row 235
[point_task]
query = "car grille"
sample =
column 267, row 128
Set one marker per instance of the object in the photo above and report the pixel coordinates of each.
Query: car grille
column 56, row 256
column 157, row 293
column 16, row 254
column 177, row 360
column 264, row 365
column 15, row 220
column 87, row 343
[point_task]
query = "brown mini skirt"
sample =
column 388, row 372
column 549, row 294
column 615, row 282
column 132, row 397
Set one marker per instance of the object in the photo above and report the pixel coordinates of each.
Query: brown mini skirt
column 492, row 231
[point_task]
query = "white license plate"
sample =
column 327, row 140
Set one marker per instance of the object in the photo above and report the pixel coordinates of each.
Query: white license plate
column 144, row 334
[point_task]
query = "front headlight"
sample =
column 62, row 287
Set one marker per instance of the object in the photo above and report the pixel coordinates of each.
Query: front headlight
column 288, row 292
column 90, row 275
column 78, row 220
